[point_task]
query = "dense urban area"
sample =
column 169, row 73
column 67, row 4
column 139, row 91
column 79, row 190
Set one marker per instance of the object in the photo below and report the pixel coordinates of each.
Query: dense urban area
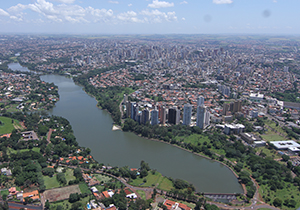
column 232, row 99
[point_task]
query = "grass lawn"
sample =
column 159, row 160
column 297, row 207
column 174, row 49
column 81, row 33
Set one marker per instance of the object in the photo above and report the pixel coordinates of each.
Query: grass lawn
column 269, row 153
column 102, row 178
column 157, row 180
column 152, row 180
column 84, row 188
column 100, row 188
column 193, row 139
column 288, row 192
column 272, row 137
column 165, row 184
column 142, row 194
column 51, row 182
column 7, row 125
column 69, row 175
column 67, row 205
column 12, row 151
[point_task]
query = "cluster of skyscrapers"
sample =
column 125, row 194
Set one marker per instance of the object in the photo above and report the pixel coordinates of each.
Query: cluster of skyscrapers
column 172, row 115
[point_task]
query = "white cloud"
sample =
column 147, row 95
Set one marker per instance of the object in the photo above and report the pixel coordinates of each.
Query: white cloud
column 274, row 1
column 129, row 5
column 183, row 18
column 129, row 16
column 3, row 13
column 184, row 2
column 158, row 16
column 222, row 1
column 160, row 4
column 71, row 13
column 113, row 2
column 65, row 1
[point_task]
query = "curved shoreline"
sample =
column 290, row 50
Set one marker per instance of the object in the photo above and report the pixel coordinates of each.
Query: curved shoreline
column 174, row 145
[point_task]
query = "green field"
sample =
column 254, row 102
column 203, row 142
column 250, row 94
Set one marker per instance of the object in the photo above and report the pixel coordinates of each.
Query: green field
column 272, row 137
column 12, row 151
column 7, row 125
column 193, row 139
column 269, row 153
column 290, row 191
column 157, row 180
column 51, row 182
column 69, row 175
column 84, row 188
column 102, row 178
column 142, row 194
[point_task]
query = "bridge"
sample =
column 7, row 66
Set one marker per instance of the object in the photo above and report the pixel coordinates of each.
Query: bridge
column 223, row 196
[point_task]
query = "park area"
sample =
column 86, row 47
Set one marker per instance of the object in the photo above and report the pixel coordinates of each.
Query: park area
column 151, row 180
column 62, row 193
column 7, row 125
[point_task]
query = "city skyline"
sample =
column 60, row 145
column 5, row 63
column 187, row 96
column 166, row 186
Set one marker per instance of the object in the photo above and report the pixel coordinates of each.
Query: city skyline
column 150, row 17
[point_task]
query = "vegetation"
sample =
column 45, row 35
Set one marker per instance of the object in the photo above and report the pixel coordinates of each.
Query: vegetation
column 108, row 98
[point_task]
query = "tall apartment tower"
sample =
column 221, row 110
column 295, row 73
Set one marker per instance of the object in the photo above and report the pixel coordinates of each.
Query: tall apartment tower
column 200, row 101
column 237, row 106
column 174, row 116
column 145, row 116
column 154, row 117
column 187, row 114
column 162, row 114
column 133, row 111
column 201, row 114
column 128, row 109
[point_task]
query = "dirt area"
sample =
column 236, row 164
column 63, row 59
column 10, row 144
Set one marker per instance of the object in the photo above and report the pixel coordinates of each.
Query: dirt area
column 62, row 193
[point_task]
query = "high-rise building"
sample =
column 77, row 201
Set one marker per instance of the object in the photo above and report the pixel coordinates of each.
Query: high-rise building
column 226, row 107
column 133, row 112
column 201, row 114
column 145, row 116
column 207, row 118
column 187, row 114
column 200, row 101
column 125, row 98
column 237, row 107
column 174, row 116
column 162, row 114
column 154, row 117
column 128, row 109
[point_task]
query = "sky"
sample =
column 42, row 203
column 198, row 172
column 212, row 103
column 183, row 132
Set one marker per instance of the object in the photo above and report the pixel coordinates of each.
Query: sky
column 275, row 17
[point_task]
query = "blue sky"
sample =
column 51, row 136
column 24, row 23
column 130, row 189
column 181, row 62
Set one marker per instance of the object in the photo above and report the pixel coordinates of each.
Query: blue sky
column 150, row 16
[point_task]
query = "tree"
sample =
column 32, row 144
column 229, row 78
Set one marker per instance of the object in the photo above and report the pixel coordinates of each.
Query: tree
column 144, row 173
column 277, row 202
column 47, row 205
column 74, row 197
column 285, row 158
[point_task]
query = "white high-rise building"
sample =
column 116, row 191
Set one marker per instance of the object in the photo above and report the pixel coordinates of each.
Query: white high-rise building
column 207, row 119
column 201, row 114
column 200, row 101
column 187, row 114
